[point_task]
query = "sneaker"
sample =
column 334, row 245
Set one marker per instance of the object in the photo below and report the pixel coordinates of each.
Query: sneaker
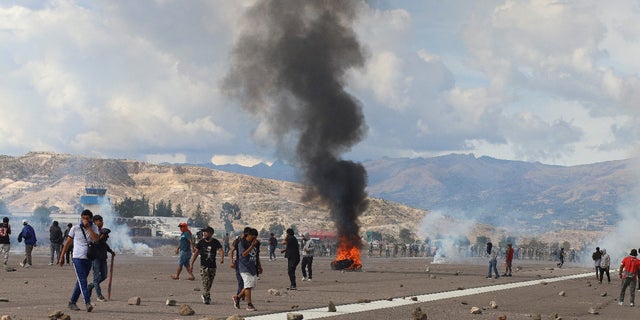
column 208, row 301
column 204, row 300
column 309, row 279
column 304, row 279
column 292, row 288
column 250, row 307
column 631, row 304
column 89, row 307
column 27, row 265
column 50, row 264
column 73, row 306
column 21, row 264
column 236, row 301
column 101, row 299
column 620, row 303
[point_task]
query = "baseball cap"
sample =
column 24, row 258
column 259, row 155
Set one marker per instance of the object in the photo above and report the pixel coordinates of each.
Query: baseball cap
column 25, row 221
column 207, row 229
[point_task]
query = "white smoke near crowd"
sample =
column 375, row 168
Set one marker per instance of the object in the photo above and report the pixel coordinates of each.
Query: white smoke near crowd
column 119, row 238
column 448, row 236
column 625, row 235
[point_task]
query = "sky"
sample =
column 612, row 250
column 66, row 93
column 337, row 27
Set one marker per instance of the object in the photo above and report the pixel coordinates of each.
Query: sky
column 550, row 81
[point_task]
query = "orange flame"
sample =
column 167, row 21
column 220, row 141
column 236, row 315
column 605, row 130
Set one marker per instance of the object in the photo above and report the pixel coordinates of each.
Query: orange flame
column 349, row 249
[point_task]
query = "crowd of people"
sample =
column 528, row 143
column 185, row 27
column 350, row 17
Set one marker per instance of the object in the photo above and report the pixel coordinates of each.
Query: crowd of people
column 85, row 247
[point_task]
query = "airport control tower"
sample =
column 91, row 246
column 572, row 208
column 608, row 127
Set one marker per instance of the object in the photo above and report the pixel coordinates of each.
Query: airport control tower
column 94, row 199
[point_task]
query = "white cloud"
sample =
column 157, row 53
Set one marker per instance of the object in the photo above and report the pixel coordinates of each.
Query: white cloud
column 241, row 159
column 541, row 80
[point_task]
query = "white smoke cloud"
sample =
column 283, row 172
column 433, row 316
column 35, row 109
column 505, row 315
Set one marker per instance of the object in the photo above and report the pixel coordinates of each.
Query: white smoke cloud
column 119, row 238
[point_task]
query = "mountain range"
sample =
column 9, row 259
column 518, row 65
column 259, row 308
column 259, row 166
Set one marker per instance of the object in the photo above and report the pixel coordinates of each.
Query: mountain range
column 520, row 195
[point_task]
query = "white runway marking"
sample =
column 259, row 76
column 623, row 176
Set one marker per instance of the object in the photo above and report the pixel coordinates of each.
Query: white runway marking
column 323, row 312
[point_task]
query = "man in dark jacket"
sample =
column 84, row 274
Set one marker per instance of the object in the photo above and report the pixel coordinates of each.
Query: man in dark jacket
column 99, row 266
column 56, row 239
column 29, row 236
column 292, row 253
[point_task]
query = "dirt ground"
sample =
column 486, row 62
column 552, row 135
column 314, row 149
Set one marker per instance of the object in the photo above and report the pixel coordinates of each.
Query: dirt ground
column 35, row 292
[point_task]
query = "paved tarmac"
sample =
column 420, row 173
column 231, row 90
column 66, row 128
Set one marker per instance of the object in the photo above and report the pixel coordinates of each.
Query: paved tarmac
column 36, row 292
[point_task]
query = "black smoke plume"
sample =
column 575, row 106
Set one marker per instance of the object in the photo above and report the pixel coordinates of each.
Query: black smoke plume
column 288, row 68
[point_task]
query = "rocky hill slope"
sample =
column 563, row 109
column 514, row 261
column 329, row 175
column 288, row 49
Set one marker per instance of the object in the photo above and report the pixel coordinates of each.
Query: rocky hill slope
column 48, row 179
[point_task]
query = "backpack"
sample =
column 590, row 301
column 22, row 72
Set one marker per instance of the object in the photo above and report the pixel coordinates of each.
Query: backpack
column 3, row 229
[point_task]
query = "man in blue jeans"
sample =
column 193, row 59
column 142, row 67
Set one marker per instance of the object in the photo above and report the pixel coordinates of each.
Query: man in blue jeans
column 100, row 269
column 493, row 252
column 81, row 235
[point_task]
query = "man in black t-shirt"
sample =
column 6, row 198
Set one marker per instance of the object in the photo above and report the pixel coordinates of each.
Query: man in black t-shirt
column 5, row 243
column 207, row 248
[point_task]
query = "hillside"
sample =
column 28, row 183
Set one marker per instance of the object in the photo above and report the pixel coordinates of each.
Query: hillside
column 47, row 179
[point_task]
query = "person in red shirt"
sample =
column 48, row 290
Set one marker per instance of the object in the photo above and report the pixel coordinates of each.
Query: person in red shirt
column 628, row 273
column 508, row 259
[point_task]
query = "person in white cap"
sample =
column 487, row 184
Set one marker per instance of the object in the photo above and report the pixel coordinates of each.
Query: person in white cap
column 308, row 250
column 29, row 236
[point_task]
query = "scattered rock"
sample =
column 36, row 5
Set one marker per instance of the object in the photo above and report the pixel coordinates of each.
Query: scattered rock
column 518, row 268
column 65, row 317
column 418, row 314
column 414, row 298
column 4, row 300
column 26, row 282
column 6, row 317
column 592, row 310
column 185, row 310
column 332, row 306
column 460, row 288
column 604, row 294
column 402, row 285
column 55, row 314
column 476, row 310
column 170, row 302
column 544, row 283
column 456, row 273
column 294, row 316
column 196, row 289
column 432, row 276
column 464, row 303
column 588, row 284
column 553, row 316
column 295, row 306
column 389, row 299
column 274, row 292
column 536, row 316
column 561, row 293
column 9, row 269
column 235, row 317
column 134, row 301
column 493, row 304
column 502, row 317
column 364, row 300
